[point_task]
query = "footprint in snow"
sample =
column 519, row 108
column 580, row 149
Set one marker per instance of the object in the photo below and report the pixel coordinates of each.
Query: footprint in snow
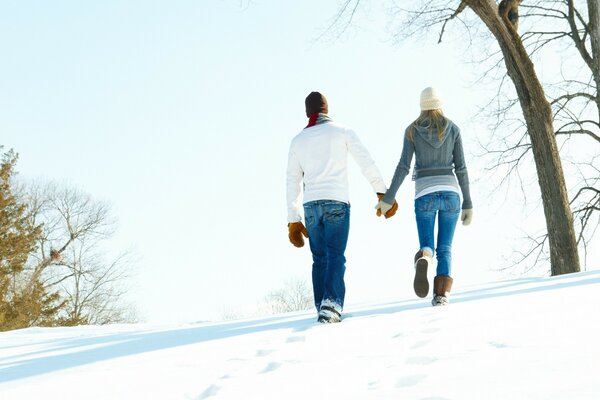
column 303, row 327
column 264, row 353
column 212, row 390
column 421, row 360
column 410, row 380
column 272, row 366
column 293, row 339
column 420, row 344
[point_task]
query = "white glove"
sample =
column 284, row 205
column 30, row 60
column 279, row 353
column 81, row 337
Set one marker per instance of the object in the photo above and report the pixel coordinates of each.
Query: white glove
column 383, row 206
column 467, row 216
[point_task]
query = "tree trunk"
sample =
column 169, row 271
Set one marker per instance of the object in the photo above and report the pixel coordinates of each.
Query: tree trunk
column 594, row 32
column 537, row 112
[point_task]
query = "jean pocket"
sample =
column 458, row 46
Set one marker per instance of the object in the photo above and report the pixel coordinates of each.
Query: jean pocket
column 335, row 213
column 451, row 203
column 425, row 203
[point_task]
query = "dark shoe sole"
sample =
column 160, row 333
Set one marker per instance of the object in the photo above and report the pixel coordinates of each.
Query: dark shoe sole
column 325, row 320
column 421, row 284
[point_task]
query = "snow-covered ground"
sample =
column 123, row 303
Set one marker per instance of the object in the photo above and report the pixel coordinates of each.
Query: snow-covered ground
column 521, row 339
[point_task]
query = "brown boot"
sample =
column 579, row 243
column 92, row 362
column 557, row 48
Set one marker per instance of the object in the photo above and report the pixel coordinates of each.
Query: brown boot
column 441, row 290
column 421, row 284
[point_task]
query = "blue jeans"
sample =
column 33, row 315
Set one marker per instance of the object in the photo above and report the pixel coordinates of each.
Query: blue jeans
column 446, row 205
column 328, row 225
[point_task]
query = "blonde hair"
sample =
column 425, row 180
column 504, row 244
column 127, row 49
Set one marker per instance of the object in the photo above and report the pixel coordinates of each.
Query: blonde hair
column 430, row 119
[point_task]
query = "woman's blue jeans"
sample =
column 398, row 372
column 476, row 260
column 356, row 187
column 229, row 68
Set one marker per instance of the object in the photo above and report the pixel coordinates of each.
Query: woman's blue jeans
column 328, row 225
column 446, row 206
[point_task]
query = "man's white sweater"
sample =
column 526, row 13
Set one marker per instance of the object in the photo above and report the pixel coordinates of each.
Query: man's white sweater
column 318, row 157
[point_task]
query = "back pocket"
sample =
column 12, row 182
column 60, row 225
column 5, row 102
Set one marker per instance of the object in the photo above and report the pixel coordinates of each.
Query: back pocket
column 426, row 203
column 451, row 203
column 335, row 213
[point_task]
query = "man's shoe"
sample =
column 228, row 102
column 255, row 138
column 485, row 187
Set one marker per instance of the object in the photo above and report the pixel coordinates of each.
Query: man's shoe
column 329, row 316
column 330, row 312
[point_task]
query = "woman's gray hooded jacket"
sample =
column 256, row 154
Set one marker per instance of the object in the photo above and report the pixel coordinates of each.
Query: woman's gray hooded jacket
column 433, row 157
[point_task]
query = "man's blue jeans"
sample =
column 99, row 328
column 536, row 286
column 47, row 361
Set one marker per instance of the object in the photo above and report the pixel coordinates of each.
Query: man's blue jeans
column 328, row 225
column 446, row 205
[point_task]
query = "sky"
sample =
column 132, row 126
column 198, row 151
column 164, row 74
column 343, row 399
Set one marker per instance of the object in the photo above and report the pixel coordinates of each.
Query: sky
column 180, row 114
column 528, row 338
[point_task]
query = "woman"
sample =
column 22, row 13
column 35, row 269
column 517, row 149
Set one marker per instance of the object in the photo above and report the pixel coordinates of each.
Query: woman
column 439, row 173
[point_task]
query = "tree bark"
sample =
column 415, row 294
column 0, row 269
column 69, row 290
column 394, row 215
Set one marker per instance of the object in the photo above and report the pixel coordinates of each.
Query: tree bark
column 537, row 112
column 594, row 32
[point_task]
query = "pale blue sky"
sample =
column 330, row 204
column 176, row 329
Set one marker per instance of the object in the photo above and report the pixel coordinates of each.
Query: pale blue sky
column 180, row 115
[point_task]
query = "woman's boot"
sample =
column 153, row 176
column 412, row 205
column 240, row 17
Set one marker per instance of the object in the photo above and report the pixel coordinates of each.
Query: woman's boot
column 421, row 283
column 441, row 290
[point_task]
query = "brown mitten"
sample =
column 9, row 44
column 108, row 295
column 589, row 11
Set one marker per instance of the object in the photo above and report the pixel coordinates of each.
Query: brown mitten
column 295, row 232
column 389, row 210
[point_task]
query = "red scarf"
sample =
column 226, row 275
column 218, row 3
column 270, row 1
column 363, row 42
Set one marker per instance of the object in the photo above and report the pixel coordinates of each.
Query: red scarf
column 312, row 120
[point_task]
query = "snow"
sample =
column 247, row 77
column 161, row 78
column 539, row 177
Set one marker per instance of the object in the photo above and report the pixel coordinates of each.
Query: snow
column 519, row 339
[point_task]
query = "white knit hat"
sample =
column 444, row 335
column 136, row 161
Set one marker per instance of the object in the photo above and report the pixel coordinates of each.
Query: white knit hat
column 430, row 99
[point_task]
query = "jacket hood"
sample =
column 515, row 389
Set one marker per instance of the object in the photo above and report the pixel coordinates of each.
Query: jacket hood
column 430, row 135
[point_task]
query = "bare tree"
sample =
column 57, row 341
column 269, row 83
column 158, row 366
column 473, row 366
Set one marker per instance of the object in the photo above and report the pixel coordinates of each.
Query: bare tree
column 294, row 296
column 576, row 100
column 72, row 256
column 539, row 121
column 557, row 27
column 499, row 21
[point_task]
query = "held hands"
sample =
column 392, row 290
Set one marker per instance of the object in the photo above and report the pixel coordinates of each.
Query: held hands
column 295, row 232
column 385, row 208
column 466, row 216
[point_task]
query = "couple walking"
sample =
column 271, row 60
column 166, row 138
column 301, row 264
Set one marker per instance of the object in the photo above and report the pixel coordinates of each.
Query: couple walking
column 317, row 162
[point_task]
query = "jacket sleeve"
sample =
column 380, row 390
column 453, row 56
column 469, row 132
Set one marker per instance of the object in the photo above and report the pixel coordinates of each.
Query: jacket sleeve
column 460, row 169
column 365, row 162
column 294, row 180
column 408, row 150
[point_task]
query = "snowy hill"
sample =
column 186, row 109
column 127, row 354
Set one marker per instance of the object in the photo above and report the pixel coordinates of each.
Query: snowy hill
column 521, row 339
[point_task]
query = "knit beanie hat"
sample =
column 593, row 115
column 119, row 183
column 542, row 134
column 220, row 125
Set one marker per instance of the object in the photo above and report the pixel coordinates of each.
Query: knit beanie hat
column 316, row 103
column 430, row 99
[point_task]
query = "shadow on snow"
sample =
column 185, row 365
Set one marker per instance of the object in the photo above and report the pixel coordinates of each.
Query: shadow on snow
column 105, row 347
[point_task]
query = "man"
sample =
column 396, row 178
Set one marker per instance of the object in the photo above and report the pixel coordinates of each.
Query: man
column 318, row 161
